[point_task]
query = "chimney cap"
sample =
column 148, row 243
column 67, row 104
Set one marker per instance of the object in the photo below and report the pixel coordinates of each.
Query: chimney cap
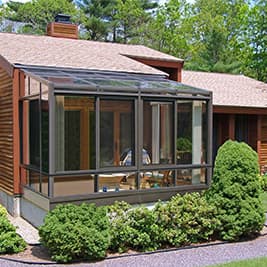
column 62, row 18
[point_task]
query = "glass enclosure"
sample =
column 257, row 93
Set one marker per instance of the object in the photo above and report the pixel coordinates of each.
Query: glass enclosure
column 97, row 132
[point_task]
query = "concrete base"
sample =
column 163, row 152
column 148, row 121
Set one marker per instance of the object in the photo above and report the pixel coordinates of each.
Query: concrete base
column 11, row 203
column 21, row 206
column 32, row 213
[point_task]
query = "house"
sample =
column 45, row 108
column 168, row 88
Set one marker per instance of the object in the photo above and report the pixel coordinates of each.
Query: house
column 84, row 121
column 239, row 109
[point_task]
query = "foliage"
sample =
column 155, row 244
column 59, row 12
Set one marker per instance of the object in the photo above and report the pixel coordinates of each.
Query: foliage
column 235, row 191
column 3, row 211
column 183, row 220
column 37, row 14
column 186, row 219
column 10, row 241
column 263, row 182
column 263, row 197
column 258, row 262
column 256, row 53
column 76, row 232
column 183, row 144
column 133, row 228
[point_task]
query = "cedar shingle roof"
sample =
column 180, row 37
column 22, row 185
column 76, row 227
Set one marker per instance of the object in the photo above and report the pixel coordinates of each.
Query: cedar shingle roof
column 82, row 54
column 229, row 89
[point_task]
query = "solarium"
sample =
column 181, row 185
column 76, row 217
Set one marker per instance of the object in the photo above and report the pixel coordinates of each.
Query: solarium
column 104, row 136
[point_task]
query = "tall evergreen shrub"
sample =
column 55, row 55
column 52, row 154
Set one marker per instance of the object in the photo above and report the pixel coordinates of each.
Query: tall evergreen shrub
column 235, row 191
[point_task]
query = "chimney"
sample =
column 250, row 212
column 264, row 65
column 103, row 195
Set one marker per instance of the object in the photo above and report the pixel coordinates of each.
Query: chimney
column 62, row 27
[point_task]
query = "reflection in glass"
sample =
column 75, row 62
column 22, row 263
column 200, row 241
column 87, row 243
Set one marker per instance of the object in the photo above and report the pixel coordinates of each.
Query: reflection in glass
column 191, row 176
column 158, row 131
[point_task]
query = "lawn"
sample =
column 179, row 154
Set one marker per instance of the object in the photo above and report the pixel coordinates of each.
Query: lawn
column 258, row 262
column 264, row 200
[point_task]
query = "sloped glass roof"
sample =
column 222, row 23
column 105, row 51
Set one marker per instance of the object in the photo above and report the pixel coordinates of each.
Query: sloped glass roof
column 110, row 81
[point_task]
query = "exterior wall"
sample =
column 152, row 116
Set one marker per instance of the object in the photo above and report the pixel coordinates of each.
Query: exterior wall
column 6, row 134
column 263, row 144
column 224, row 129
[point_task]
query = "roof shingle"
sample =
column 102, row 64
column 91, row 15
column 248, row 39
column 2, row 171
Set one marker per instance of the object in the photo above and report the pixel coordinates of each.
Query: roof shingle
column 82, row 54
column 229, row 89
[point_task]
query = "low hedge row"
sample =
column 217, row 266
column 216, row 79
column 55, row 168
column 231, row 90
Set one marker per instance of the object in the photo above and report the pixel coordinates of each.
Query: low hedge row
column 87, row 232
column 10, row 241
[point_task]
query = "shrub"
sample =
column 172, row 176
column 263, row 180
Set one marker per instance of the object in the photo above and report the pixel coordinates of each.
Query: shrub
column 76, row 232
column 3, row 211
column 10, row 241
column 185, row 219
column 134, row 228
column 235, row 191
column 263, row 182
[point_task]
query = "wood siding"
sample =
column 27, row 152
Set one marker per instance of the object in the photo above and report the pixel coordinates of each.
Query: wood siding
column 6, row 133
column 62, row 30
column 263, row 145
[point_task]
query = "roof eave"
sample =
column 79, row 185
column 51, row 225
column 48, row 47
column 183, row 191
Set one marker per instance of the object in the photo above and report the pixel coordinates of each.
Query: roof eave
column 7, row 66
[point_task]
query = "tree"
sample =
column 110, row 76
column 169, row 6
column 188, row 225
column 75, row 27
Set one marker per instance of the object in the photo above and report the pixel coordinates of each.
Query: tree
column 256, row 56
column 168, row 30
column 97, row 15
column 217, row 29
column 38, row 13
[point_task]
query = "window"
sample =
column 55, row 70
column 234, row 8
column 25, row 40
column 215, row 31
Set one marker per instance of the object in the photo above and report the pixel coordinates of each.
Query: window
column 158, row 131
column 75, row 133
column 34, row 129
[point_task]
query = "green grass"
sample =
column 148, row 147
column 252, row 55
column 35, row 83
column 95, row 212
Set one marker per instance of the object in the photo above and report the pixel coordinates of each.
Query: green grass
column 263, row 197
column 258, row 262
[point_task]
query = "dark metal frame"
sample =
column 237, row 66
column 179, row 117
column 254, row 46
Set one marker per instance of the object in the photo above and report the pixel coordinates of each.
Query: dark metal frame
column 138, row 95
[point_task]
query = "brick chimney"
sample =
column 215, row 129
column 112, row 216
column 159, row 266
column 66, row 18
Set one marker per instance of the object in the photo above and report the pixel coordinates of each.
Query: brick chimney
column 62, row 27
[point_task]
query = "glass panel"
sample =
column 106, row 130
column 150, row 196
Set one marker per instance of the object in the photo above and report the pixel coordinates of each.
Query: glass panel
column 75, row 133
column 158, row 132
column 33, row 180
column 156, row 179
column 116, row 182
column 184, row 132
column 34, row 130
column 76, row 185
column 191, row 132
column 116, row 133
column 191, row 176
column 45, row 131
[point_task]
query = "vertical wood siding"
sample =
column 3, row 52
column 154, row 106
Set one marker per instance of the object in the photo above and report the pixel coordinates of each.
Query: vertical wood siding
column 6, row 133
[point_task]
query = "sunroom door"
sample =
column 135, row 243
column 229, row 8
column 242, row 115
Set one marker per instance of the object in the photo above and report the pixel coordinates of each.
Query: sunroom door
column 116, row 131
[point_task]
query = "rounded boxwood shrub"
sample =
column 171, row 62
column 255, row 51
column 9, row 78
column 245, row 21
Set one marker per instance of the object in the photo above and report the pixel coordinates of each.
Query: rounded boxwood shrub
column 185, row 219
column 10, row 241
column 73, row 232
column 235, row 191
